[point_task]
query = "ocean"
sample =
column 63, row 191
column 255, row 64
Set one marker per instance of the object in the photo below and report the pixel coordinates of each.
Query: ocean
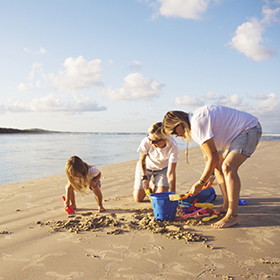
column 31, row 156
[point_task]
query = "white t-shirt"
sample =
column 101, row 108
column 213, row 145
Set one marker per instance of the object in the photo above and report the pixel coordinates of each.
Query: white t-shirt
column 221, row 123
column 158, row 158
column 92, row 172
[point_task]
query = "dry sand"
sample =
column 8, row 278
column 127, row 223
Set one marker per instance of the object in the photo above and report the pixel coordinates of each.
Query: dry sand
column 39, row 241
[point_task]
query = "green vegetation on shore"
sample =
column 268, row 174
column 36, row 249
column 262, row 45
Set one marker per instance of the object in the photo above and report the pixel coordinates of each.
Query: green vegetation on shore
column 4, row 130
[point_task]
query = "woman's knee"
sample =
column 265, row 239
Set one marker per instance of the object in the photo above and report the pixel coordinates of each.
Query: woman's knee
column 226, row 168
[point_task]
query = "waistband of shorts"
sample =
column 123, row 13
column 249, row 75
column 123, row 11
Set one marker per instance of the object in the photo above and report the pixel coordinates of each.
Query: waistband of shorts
column 158, row 170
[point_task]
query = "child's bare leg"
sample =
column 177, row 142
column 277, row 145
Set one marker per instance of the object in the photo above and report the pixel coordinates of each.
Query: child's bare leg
column 139, row 195
column 98, row 196
column 160, row 189
column 70, row 196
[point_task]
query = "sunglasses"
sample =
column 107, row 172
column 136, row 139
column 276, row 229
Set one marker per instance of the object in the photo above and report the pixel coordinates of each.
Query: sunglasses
column 174, row 130
column 155, row 141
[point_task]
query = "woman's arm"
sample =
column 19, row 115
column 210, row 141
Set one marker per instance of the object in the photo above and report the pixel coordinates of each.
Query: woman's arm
column 171, row 176
column 210, row 152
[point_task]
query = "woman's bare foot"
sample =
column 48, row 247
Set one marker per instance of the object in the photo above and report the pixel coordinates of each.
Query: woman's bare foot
column 101, row 209
column 221, row 209
column 227, row 221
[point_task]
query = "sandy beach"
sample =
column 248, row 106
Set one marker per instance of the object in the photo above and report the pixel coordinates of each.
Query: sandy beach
column 40, row 241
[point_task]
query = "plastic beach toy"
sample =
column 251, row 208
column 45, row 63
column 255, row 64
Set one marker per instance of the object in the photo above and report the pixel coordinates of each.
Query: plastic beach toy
column 193, row 213
column 164, row 209
column 148, row 194
column 206, row 219
column 242, row 202
column 206, row 195
column 68, row 209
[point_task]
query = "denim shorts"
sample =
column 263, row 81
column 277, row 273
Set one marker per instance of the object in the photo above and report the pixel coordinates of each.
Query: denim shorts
column 246, row 142
column 159, row 177
column 98, row 183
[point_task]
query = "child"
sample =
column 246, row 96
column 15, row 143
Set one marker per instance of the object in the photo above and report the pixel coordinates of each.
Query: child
column 80, row 177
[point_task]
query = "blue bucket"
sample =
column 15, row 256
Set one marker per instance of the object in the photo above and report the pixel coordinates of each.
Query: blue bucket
column 164, row 209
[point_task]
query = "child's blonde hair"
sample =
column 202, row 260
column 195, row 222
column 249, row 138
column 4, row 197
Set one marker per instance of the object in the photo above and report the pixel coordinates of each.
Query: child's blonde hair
column 156, row 130
column 76, row 171
column 174, row 118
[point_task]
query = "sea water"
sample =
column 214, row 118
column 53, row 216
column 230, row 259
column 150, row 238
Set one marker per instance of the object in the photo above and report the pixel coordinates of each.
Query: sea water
column 31, row 156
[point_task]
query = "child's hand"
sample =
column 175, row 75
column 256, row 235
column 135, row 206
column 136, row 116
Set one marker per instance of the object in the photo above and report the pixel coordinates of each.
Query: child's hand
column 146, row 185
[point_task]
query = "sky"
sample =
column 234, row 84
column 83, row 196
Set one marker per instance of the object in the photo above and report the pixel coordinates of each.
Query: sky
column 120, row 65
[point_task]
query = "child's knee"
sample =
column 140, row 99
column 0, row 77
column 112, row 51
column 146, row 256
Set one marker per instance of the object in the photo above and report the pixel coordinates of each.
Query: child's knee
column 69, row 187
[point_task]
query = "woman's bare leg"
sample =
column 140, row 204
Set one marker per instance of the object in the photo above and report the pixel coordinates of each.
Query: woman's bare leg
column 221, row 181
column 233, row 185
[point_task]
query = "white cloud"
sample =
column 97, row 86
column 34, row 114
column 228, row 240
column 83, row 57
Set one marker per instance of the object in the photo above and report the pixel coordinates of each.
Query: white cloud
column 268, row 111
column 248, row 38
column 188, row 9
column 78, row 74
column 270, row 15
column 212, row 96
column 231, row 101
column 2, row 109
column 36, row 69
column 55, row 103
column 135, row 86
column 188, row 101
column 41, row 51
column 136, row 66
column 24, row 87
column 268, row 103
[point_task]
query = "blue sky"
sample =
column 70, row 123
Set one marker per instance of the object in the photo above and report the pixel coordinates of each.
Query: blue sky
column 120, row 65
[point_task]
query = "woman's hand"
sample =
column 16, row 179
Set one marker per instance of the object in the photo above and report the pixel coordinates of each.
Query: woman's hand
column 196, row 188
column 210, row 181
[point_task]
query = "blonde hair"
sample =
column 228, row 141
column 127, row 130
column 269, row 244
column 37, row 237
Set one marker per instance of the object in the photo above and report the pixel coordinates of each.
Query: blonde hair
column 156, row 130
column 174, row 118
column 76, row 171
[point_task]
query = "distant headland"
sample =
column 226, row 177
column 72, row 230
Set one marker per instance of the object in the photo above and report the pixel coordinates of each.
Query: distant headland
column 4, row 130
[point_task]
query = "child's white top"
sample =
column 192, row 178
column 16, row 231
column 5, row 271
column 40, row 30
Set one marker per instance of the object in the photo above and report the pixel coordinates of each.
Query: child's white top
column 158, row 158
column 92, row 172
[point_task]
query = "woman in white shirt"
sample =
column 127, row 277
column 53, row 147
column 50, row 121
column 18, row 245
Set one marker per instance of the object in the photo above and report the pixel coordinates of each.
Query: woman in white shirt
column 158, row 159
column 227, row 137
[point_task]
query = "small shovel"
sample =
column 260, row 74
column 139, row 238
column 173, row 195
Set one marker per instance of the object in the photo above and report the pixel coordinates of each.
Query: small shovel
column 173, row 197
column 206, row 219
column 68, row 209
